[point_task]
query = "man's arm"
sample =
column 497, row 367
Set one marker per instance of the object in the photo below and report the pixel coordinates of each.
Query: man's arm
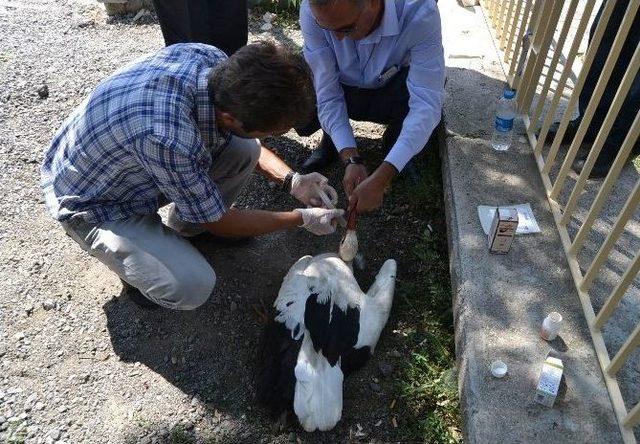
column 271, row 166
column 247, row 223
column 425, row 83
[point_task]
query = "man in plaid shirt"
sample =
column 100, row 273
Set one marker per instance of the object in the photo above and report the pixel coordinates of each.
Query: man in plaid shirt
column 180, row 127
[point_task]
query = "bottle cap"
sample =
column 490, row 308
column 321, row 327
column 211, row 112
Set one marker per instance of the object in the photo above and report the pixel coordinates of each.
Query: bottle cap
column 498, row 368
column 555, row 317
column 509, row 93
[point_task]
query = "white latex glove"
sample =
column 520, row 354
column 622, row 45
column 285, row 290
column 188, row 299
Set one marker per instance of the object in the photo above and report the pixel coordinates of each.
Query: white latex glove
column 319, row 221
column 313, row 189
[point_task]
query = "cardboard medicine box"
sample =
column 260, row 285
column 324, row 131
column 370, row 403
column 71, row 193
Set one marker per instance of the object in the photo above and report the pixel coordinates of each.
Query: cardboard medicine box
column 503, row 230
column 549, row 381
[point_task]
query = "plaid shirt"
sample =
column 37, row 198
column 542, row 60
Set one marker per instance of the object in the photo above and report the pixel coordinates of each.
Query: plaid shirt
column 145, row 132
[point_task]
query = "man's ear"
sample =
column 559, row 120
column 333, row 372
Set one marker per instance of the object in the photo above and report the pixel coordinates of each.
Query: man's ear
column 228, row 121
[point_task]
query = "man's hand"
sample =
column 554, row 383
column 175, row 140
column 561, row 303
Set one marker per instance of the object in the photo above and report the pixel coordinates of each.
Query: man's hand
column 307, row 188
column 369, row 194
column 319, row 221
column 354, row 174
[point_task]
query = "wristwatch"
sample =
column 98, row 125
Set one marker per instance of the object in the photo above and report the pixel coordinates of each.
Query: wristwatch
column 354, row 160
column 286, row 183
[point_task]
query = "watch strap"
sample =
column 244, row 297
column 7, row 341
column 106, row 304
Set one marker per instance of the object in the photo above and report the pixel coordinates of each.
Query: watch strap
column 286, row 183
column 354, row 160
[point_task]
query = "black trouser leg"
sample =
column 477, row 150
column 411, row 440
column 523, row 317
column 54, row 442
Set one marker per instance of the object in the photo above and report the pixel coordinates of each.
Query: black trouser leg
column 173, row 16
column 221, row 23
column 626, row 117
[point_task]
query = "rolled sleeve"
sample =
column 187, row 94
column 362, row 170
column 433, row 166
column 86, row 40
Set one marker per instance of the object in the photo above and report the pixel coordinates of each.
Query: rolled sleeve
column 425, row 83
column 183, row 178
column 332, row 109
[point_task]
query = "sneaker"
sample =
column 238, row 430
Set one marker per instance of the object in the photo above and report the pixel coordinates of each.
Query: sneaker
column 137, row 297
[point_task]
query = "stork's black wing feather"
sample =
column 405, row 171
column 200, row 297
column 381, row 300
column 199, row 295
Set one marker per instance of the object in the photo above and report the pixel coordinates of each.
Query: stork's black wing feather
column 333, row 333
column 276, row 380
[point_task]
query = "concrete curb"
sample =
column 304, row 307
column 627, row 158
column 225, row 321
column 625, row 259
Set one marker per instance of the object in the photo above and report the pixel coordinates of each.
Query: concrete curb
column 500, row 301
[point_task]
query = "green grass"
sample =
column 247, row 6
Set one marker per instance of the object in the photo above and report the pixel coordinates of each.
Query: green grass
column 636, row 163
column 180, row 436
column 13, row 436
column 428, row 408
column 4, row 57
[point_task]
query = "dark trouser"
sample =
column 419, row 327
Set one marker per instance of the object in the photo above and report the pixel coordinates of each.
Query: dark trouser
column 388, row 105
column 631, row 104
column 221, row 23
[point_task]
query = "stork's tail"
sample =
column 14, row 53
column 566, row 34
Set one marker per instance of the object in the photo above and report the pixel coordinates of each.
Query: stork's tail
column 318, row 395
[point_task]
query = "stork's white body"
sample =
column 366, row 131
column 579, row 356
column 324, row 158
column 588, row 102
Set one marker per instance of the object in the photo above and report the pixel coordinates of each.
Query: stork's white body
column 318, row 390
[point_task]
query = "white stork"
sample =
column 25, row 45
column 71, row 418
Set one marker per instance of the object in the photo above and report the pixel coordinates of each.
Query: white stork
column 325, row 328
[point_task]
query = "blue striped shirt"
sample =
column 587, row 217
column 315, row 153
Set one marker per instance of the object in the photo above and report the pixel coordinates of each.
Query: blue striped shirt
column 146, row 132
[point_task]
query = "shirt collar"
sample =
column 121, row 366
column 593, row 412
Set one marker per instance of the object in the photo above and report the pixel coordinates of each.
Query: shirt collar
column 389, row 25
column 206, row 116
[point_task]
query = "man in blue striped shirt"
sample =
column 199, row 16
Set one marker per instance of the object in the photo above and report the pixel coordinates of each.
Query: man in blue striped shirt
column 179, row 126
column 379, row 61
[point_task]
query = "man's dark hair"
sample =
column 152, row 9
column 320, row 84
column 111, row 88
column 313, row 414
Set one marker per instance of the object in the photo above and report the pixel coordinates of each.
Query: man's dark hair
column 265, row 86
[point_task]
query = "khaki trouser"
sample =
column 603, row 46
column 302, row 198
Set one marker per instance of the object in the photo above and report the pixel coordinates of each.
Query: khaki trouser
column 154, row 258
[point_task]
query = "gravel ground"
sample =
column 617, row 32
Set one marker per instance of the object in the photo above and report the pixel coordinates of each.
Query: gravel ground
column 79, row 363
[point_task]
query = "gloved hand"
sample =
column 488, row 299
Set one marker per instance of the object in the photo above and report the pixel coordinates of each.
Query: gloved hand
column 319, row 221
column 309, row 189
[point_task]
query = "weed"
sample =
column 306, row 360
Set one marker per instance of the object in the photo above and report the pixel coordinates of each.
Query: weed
column 428, row 410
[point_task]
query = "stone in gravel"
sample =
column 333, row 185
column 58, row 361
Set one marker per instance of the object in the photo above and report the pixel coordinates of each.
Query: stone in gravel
column 86, row 23
column 62, row 408
column 43, row 92
column 385, row 368
column 233, row 306
column 39, row 406
column 29, row 309
column 18, row 336
column 394, row 354
column 28, row 404
column 49, row 304
column 2, row 419
column 174, row 360
column 55, row 434
column 139, row 15
column 375, row 387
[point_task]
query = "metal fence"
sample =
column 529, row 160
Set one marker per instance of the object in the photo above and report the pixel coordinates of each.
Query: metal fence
column 547, row 56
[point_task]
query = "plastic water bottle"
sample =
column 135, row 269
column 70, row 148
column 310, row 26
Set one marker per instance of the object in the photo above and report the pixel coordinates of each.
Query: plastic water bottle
column 505, row 114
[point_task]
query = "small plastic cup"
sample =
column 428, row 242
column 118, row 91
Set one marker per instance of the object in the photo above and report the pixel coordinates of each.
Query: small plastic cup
column 551, row 326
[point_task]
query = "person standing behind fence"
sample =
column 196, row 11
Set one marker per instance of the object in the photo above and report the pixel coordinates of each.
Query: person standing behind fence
column 220, row 23
column 631, row 105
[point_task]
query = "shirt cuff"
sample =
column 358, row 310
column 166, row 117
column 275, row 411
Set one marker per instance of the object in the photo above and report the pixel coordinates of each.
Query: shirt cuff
column 343, row 138
column 399, row 156
column 210, row 207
